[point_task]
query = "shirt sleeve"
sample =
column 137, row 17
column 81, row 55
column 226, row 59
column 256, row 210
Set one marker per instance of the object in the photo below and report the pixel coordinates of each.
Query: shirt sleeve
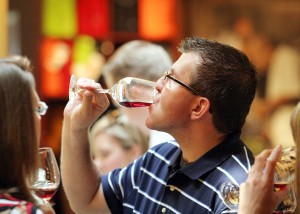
column 119, row 184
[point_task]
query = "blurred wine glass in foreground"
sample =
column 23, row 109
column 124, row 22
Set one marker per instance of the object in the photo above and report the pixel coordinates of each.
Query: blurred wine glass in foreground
column 129, row 92
column 284, row 175
column 48, row 176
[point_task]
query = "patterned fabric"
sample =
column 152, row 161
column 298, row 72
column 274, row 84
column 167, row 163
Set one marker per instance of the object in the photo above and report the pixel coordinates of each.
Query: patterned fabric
column 155, row 183
column 11, row 205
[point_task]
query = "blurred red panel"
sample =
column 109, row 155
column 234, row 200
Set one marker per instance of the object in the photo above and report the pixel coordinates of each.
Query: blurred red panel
column 93, row 18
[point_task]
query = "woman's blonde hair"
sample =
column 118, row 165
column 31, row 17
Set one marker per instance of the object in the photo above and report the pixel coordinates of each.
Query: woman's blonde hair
column 295, row 125
column 127, row 134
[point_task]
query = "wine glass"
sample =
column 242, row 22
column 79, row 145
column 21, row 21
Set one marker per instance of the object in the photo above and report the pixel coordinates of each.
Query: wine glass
column 284, row 175
column 129, row 91
column 230, row 194
column 48, row 176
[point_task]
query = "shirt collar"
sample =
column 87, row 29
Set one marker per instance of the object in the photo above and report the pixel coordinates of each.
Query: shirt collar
column 212, row 158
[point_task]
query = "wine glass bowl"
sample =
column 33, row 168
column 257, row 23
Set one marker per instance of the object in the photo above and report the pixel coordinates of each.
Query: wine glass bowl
column 284, row 175
column 129, row 91
column 285, row 166
column 230, row 193
column 48, row 175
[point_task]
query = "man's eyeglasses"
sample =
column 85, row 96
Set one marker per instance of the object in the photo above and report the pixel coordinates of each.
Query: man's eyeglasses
column 42, row 108
column 167, row 74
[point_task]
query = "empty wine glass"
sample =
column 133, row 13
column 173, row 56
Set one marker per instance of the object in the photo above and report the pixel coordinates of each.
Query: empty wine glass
column 230, row 194
column 48, row 176
column 284, row 175
column 129, row 91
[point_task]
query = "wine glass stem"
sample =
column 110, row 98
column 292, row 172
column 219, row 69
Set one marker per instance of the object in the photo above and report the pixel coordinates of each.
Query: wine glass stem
column 103, row 91
column 99, row 90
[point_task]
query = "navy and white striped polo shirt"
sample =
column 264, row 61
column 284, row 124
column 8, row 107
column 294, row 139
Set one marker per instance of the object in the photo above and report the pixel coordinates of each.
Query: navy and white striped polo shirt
column 154, row 183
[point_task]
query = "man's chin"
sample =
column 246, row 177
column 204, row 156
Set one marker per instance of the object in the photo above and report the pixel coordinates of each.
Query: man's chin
column 149, row 124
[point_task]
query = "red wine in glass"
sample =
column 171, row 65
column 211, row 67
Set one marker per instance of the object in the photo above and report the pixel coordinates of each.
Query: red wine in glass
column 46, row 193
column 279, row 186
column 134, row 104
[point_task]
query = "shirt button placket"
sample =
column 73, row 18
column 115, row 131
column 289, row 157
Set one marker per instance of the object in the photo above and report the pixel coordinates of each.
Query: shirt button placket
column 163, row 210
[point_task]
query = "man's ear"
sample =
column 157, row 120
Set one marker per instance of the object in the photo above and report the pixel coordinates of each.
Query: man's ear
column 200, row 108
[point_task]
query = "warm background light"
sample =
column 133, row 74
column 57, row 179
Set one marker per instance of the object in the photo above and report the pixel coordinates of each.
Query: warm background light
column 3, row 27
column 156, row 19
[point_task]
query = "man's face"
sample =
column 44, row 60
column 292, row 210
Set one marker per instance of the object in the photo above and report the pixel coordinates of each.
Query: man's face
column 172, row 104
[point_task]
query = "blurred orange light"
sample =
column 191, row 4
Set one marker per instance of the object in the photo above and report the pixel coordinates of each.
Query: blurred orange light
column 55, row 68
column 157, row 19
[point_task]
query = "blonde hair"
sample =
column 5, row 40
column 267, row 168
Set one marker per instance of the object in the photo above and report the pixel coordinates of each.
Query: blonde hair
column 295, row 125
column 125, row 133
